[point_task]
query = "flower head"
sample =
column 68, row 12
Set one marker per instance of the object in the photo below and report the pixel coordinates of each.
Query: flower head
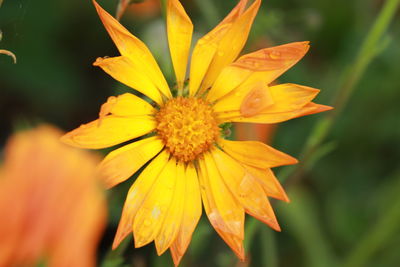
column 189, row 161
column 51, row 206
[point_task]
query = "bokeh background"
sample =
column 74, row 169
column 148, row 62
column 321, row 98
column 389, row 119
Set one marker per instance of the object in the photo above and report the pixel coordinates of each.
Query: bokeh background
column 345, row 208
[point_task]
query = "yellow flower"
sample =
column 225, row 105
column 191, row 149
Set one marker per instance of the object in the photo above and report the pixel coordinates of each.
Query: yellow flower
column 189, row 162
column 51, row 206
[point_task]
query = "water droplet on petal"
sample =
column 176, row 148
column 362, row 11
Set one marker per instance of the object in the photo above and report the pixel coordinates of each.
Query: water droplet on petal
column 275, row 55
column 255, row 101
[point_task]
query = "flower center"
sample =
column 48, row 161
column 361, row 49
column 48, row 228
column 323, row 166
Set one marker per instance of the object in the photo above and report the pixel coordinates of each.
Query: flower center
column 187, row 126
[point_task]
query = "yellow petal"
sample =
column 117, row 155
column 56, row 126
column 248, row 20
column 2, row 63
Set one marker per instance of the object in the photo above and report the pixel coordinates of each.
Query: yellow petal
column 130, row 73
column 231, row 44
column 256, row 154
column 207, row 46
column 180, row 29
column 191, row 214
column 308, row 109
column 109, row 131
column 126, row 105
column 172, row 222
column 137, row 194
column 264, row 66
column 278, row 98
column 130, row 46
column 268, row 181
column 245, row 188
column 224, row 212
column 122, row 163
column 150, row 216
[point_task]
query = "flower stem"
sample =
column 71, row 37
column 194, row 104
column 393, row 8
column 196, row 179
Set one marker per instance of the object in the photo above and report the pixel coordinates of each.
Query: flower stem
column 374, row 43
column 386, row 227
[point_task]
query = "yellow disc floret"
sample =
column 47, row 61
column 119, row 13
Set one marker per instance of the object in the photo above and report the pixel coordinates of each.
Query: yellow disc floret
column 187, row 126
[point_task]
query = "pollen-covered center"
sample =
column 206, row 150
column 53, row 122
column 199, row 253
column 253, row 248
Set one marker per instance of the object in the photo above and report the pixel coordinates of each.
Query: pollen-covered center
column 187, row 126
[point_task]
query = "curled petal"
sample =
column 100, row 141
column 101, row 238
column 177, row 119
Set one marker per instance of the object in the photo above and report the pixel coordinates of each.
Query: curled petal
column 264, row 66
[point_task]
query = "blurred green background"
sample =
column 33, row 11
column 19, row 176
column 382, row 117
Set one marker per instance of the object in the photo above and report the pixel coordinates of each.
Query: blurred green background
column 345, row 208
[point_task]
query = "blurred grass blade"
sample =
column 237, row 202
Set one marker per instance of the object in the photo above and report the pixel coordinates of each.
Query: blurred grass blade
column 382, row 232
column 302, row 221
column 115, row 258
column 268, row 246
column 269, row 254
column 252, row 226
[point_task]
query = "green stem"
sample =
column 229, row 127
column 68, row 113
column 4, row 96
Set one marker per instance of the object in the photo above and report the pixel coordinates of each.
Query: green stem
column 375, row 238
column 115, row 257
column 269, row 255
column 252, row 226
column 373, row 44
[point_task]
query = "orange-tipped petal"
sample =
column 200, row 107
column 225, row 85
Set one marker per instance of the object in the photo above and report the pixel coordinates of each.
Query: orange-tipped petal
column 264, row 66
column 276, row 99
column 130, row 46
column 172, row 221
column 150, row 216
column 245, row 188
column 207, row 48
column 109, row 131
column 179, row 29
column 256, row 154
column 137, row 194
column 224, row 212
column 131, row 73
column 191, row 214
column 231, row 44
column 268, row 181
column 308, row 109
column 122, row 163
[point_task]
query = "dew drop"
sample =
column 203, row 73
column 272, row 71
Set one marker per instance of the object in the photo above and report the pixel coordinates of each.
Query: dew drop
column 275, row 55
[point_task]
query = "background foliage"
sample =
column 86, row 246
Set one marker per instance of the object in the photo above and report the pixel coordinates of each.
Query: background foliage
column 345, row 208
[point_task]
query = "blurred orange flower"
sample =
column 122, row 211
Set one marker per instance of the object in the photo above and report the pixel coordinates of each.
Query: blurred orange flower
column 256, row 132
column 143, row 9
column 52, row 210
